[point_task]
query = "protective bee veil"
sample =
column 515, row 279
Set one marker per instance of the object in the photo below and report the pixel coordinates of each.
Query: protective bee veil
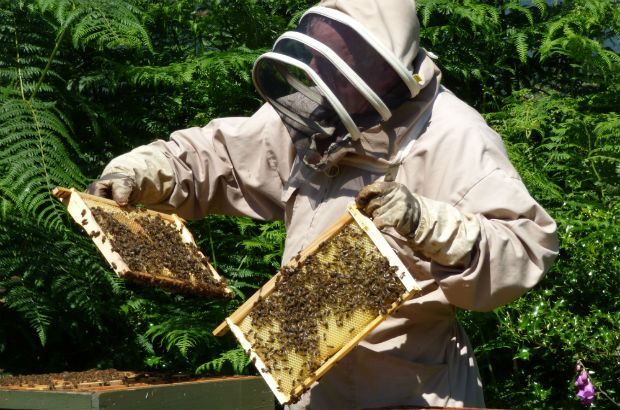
column 329, row 80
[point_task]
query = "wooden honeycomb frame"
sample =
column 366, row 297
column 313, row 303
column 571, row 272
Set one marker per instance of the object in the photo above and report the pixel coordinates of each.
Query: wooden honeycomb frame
column 238, row 322
column 80, row 205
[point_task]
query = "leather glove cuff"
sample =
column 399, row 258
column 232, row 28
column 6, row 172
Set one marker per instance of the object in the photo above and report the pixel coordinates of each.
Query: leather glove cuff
column 444, row 234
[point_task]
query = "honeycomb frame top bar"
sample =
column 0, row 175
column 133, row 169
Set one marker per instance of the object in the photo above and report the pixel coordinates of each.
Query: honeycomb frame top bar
column 62, row 193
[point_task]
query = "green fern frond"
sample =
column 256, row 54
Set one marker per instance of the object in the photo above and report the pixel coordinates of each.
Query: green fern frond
column 24, row 53
column 47, row 273
column 102, row 23
column 514, row 6
column 240, row 271
column 520, row 41
column 182, row 333
column 238, row 61
column 245, row 224
column 145, row 344
column 5, row 208
column 182, row 340
column 553, row 27
column 480, row 17
column 426, row 9
column 581, row 35
column 34, row 157
column 485, row 11
column 608, row 127
column 294, row 20
column 541, row 5
column 238, row 285
column 26, row 302
column 235, row 357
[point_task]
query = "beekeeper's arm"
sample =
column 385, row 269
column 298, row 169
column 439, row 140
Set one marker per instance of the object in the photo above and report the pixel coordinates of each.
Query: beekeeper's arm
column 481, row 260
column 232, row 166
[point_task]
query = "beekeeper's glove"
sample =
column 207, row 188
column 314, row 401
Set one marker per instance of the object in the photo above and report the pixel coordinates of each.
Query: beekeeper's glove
column 390, row 204
column 143, row 175
column 437, row 229
column 116, row 185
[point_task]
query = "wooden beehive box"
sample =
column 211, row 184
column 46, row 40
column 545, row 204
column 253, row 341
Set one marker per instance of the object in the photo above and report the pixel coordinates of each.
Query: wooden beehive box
column 114, row 389
column 148, row 247
column 321, row 305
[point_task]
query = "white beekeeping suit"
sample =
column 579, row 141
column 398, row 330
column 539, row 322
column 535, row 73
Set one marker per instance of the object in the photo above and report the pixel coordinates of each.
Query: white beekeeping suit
column 350, row 94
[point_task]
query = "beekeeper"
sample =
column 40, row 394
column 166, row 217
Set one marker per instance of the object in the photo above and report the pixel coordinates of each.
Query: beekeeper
column 355, row 111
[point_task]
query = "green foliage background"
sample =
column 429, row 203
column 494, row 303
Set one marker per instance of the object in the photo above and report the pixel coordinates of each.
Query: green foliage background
column 82, row 81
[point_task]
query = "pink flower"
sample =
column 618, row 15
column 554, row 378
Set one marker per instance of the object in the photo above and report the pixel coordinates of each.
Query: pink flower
column 582, row 379
column 586, row 389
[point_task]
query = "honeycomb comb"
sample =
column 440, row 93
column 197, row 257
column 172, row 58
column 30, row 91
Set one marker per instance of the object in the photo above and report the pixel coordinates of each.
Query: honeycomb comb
column 321, row 305
column 148, row 247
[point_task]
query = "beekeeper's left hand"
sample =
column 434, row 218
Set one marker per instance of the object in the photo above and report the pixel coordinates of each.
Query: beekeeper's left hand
column 390, row 204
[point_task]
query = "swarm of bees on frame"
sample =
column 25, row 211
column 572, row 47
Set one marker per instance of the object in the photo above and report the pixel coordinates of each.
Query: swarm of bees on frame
column 155, row 246
column 320, row 304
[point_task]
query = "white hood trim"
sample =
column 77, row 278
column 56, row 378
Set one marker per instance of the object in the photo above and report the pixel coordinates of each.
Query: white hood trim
column 402, row 71
column 343, row 68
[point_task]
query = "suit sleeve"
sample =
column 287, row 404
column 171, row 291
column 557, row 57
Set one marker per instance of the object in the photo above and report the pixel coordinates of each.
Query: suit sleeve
column 487, row 239
column 232, row 166
column 515, row 248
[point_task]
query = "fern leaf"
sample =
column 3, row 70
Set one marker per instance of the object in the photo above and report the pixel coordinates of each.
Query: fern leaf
column 541, row 5
column 182, row 332
column 523, row 10
column 34, row 157
column 26, row 302
column 520, row 41
column 102, row 23
column 145, row 344
column 426, row 9
column 235, row 357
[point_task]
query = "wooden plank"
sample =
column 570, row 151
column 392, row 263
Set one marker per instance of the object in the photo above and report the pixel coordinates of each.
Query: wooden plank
column 82, row 215
column 62, row 193
column 226, row 394
column 49, row 400
column 232, row 393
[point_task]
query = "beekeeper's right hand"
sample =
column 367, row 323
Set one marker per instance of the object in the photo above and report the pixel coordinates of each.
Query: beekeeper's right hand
column 143, row 175
column 116, row 185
